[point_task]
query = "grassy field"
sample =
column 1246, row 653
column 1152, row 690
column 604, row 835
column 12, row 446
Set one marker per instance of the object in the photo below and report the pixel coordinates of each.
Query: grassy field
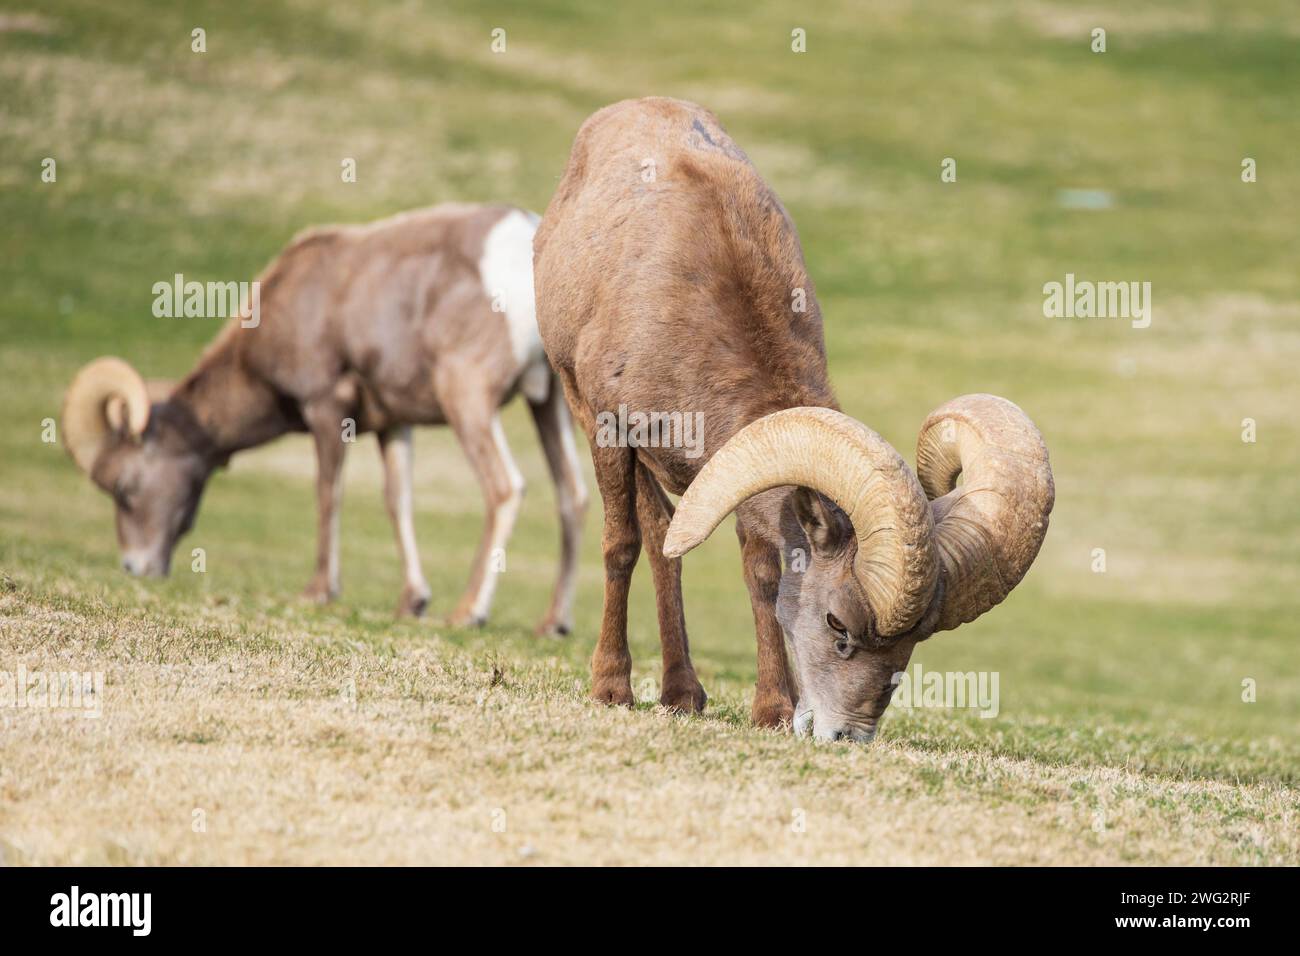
column 240, row 725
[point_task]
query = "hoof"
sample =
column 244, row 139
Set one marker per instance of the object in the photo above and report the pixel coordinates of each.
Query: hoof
column 614, row 691
column 413, row 602
column 319, row 593
column 552, row 628
column 772, row 712
column 683, row 694
column 464, row 619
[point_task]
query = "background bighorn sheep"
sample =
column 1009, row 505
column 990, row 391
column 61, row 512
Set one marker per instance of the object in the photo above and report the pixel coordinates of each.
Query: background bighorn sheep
column 391, row 325
column 676, row 294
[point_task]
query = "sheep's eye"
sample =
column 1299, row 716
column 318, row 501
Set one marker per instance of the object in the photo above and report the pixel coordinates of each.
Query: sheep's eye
column 122, row 496
column 834, row 624
column 843, row 648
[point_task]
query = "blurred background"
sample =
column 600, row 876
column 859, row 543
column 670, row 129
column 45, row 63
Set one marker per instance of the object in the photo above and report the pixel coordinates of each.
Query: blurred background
column 1117, row 166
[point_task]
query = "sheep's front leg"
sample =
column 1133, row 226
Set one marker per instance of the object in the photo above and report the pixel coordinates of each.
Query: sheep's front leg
column 772, row 699
column 395, row 450
column 611, row 662
column 682, row 691
column 325, row 421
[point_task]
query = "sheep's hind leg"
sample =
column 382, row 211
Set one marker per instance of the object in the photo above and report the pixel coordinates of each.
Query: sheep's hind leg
column 325, row 421
column 478, row 426
column 556, row 432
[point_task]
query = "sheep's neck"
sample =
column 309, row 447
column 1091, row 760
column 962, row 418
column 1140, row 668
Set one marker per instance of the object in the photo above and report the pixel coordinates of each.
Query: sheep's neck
column 232, row 408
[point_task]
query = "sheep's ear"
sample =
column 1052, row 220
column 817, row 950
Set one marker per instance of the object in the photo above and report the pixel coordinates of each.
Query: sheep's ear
column 825, row 525
column 115, row 413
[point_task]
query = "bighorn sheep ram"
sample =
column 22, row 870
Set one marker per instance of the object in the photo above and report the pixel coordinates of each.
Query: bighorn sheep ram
column 666, row 274
column 423, row 318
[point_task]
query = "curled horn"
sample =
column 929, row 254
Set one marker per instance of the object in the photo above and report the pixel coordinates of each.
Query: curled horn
column 988, row 530
column 105, row 397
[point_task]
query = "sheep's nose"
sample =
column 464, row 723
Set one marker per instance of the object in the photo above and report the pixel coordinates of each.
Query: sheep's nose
column 852, row 734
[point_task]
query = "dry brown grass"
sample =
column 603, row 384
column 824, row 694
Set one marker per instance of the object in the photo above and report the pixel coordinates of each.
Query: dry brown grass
column 442, row 757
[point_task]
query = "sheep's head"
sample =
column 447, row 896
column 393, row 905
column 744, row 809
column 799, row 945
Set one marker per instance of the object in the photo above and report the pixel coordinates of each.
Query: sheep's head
column 140, row 453
column 884, row 559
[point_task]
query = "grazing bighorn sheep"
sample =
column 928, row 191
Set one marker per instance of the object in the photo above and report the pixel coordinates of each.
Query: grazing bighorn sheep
column 675, row 291
column 423, row 318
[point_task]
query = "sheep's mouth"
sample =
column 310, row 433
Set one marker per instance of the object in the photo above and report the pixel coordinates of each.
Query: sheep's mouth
column 144, row 564
column 856, row 731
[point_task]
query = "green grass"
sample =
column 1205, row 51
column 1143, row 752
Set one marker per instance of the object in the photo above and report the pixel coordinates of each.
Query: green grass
column 169, row 161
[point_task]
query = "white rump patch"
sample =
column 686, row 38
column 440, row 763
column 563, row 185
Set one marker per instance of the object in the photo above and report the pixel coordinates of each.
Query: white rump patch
column 506, row 271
